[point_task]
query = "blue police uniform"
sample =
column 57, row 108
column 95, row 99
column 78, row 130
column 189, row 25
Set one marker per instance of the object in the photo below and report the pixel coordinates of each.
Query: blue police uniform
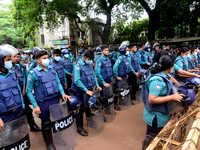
column 195, row 62
column 182, row 64
column 71, row 57
column 11, row 100
column 143, row 58
column 114, row 56
column 46, row 87
column 96, row 57
column 198, row 57
column 156, row 115
column 59, row 68
column 32, row 65
column 84, row 79
column 190, row 63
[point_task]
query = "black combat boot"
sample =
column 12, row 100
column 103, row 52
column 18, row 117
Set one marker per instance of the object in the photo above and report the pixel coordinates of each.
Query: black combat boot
column 79, row 123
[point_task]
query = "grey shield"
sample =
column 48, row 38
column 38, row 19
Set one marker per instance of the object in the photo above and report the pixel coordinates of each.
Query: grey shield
column 96, row 117
column 140, row 79
column 124, row 94
column 65, row 133
column 109, row 103
column 138, row 99
column 174, row 106
column 14, row 132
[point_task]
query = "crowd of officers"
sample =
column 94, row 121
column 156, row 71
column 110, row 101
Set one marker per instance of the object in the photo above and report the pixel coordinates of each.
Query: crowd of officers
column 53, row 75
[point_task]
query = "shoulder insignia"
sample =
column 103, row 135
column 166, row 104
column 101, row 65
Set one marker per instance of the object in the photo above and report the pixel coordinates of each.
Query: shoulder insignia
column 159, row 79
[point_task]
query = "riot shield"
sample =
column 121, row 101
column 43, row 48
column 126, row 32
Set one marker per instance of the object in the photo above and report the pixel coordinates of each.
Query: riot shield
column 95, row 118
column 109, row 103
column 15, row 135
column 174, row 106
column 124, row 94
column 63, row 127
column 138, row 99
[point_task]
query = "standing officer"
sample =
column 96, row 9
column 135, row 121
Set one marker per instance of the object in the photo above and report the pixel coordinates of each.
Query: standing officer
column 143, row 58
column 11, row 101
column 134, row 73
column 20, row 70
column 58, row 66
column 121, row 68
column 46, row 84
column 157, row 91
column 71, row 57
column 98, row 53
column 83, row 82
column 104, row 71
column 68, row 68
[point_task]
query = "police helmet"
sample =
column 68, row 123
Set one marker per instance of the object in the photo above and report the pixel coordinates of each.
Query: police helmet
column 122, row 49
column 74, row 104
column 80, row 51
column 189, row 95
column 147, row 46
column 125, row 43
column 98, row 49
column 94, row 103
column 65, row 51
column 6, row 50
column 156, row 44
column 36, row 49
column 195, row 80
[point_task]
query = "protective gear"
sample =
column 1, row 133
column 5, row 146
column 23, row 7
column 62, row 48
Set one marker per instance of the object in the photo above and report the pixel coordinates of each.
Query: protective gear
column 48, row 87
column 36, row 49
column 66, row 56
column 98, row 50
column 87, row 78
column 88, row 62
column 122, row 49
column 74, row 104
column 10, row 98
column 45, row 62
column 156, row 44
column 65, row 51
column 189, row 94
column 195, row 80
column 124, row 94
column 184, row 57
column 145, row 95
column 135, row 62
column 17, row 70
column 67, row 64
column 95, row 121
column 15, row 134
column 124, row 69
column 47, row 134
column 6, row 50
column 59, row 69
column 127, row 53
column 8, row 64
column 126, row 43
column 195, row 53
column 63, row 126
column 57, row 58
column 108, row 97
column 106, row 71
column 80, row 52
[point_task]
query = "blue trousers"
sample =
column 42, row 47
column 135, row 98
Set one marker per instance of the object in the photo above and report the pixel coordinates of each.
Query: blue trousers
column 44, row 108
column 13, row 115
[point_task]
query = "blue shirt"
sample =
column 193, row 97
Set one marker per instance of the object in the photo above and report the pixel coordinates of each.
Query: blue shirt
column 159, row 91
column 98, row 67
column 33, row 81
column 180, row 63
column 71, row 57
column 31, row 67
column 21, row 69
column 66, row 72
column 77, row 76
column 140, row 57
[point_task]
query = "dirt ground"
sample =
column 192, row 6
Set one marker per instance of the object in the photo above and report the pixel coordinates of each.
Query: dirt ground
column 126, row 132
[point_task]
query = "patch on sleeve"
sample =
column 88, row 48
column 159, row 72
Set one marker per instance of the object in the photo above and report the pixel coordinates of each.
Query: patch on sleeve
column 78, row 68
column 119, row 61
column 129, row 58
column 99, row 64
column 158, row 86
column 29, row 78
column 181, row 64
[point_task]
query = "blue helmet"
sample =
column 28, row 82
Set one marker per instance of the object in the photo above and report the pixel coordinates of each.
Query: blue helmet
column 80, row 52
column 98, row 49
column 156, row 44
column 195, row 80
column 65, row 51
column 189, row 94
column 36, row 49
column 122, row 49
column 74, row 104
column 94, row 103
column 6, row 50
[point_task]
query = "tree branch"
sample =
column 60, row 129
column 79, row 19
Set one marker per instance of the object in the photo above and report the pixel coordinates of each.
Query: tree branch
column 145, row 6
column 77, row 25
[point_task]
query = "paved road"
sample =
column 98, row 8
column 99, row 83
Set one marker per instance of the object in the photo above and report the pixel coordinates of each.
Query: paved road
column 126, row 132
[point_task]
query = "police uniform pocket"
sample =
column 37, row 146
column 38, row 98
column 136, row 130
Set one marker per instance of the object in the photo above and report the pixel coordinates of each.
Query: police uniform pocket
column 17, row 96
column 8, row 99
column 90, row 81
column 3, row 107
column 55, row 85
column 49, row 88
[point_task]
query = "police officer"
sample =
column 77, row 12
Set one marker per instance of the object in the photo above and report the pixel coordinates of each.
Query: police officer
column 83, row 82
column 34, row 61
column 46, row 84
column 58, row 66
column 134, row 73
column 80, row 52
column 104, row 71
column 11, row 100
column 157, row 91
column 121, row 68
column 155, row 49
column 98, row 53
column 21, row 71
column 68, row 68
column 142, row 56
column 71, row 57
column 194, row 58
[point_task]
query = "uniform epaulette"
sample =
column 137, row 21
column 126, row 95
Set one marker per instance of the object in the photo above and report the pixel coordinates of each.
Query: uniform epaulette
column 31, row 72
column 160, row 79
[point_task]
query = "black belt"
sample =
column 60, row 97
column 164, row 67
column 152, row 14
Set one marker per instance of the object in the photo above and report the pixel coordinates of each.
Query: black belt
column 9, row 112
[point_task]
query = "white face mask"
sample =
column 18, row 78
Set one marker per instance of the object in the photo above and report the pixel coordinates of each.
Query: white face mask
column 127, row 52
column 8, row 64
column 45, row 62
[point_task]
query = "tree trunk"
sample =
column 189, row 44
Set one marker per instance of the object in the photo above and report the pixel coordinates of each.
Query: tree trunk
column 106, row 31
column 153, row 18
